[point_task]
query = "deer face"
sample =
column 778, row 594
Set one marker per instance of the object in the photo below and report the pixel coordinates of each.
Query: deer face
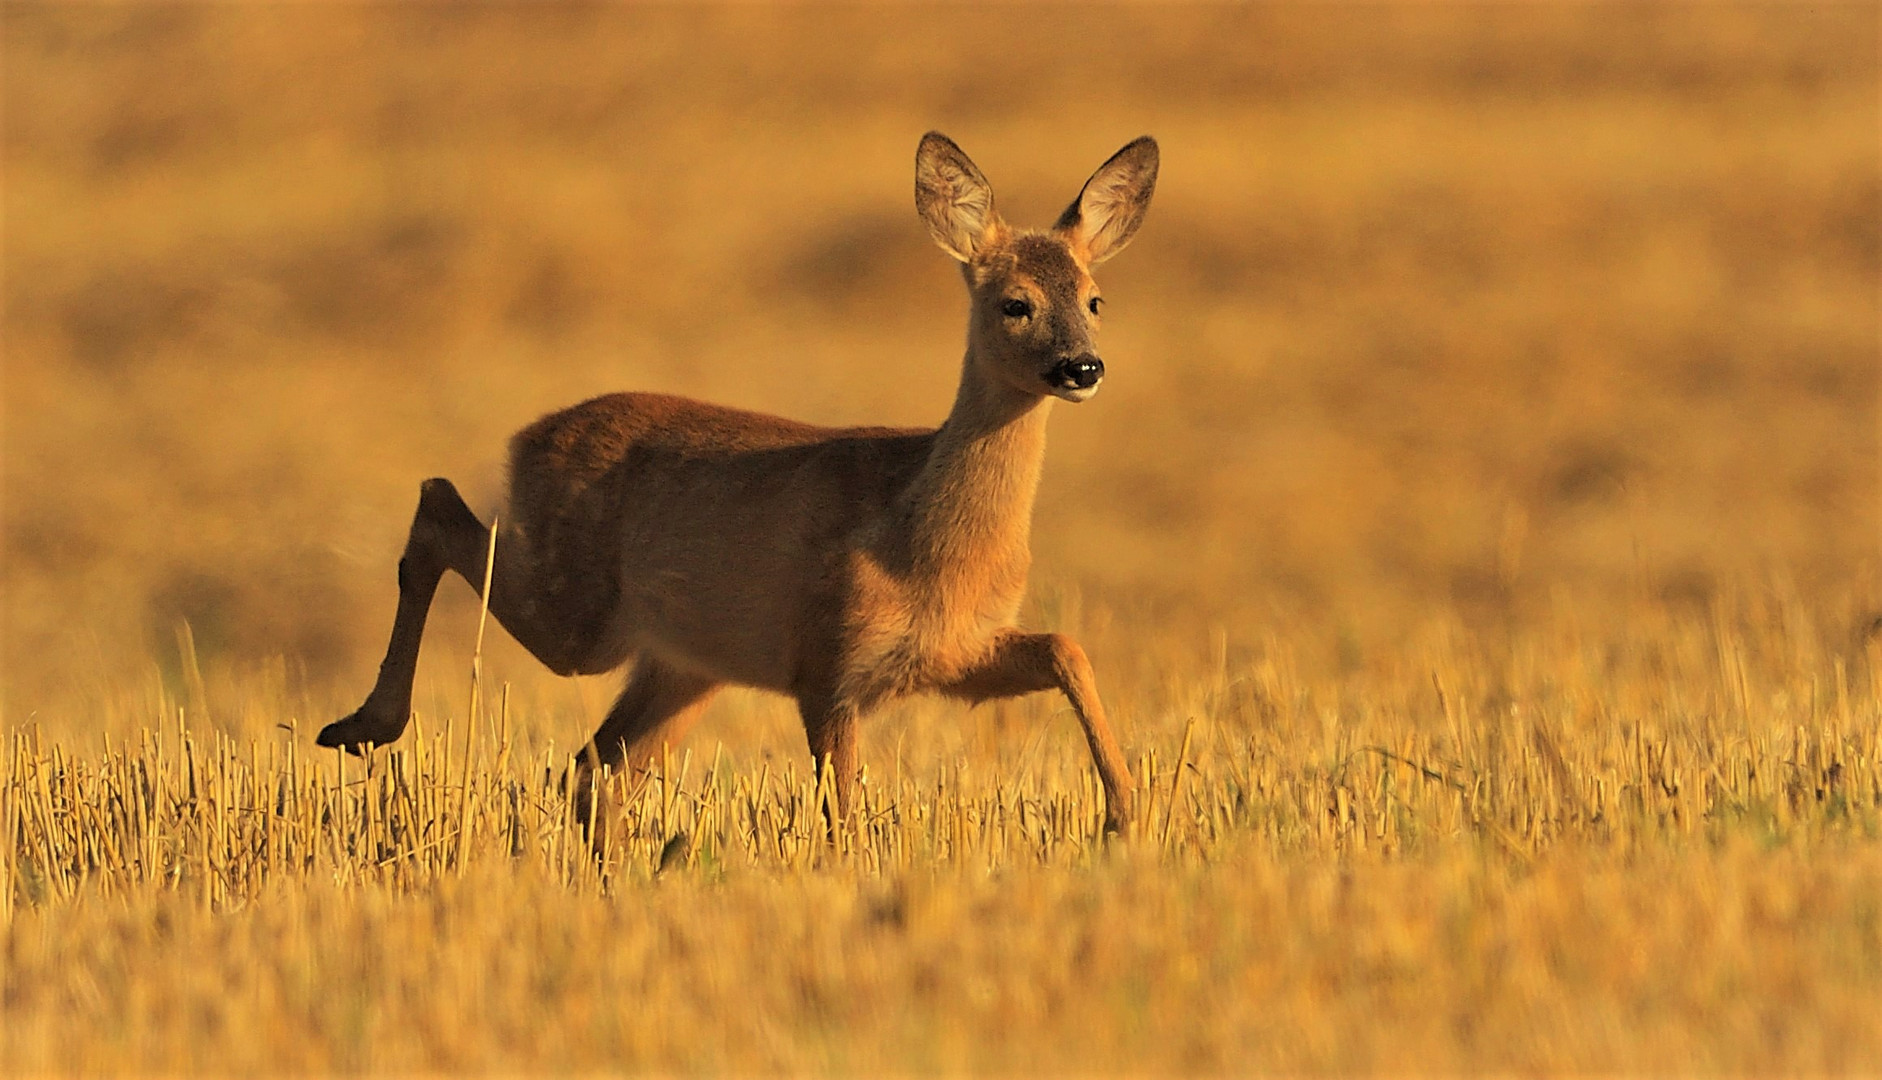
column 1035, row 306
column 1035, row 310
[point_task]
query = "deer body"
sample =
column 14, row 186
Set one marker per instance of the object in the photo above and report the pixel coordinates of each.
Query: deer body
column 845, row 567
column 734, row 544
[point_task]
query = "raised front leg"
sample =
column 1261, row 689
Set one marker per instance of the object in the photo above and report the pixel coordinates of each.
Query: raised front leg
column 1024, row 663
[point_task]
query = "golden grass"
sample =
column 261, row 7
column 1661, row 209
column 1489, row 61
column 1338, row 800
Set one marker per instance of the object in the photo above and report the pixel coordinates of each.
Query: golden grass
column 1595, row 853
column 1476, row 540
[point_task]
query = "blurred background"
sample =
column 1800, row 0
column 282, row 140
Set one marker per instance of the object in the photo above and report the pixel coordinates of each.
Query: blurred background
column 1472, row 312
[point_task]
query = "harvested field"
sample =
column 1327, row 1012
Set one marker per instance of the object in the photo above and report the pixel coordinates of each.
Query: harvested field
column 1476, row 541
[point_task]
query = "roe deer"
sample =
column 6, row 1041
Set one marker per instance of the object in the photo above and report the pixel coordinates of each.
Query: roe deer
column 843, row 566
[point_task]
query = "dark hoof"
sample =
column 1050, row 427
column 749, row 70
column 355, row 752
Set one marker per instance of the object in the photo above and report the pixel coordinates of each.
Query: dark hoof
column 673, row 856
column 359, row 731
column 1117, row 820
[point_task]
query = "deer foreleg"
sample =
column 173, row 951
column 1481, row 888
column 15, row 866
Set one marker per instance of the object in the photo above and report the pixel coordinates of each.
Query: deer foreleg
column 1024, row 663
column 831, row 728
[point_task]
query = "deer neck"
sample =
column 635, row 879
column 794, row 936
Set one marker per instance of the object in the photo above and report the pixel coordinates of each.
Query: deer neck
column 970, row 506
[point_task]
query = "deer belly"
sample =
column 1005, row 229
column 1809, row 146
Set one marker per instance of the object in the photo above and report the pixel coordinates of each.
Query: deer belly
column 719, row 625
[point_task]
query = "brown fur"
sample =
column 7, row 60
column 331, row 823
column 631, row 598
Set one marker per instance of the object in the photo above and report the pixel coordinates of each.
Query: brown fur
column 843, row 566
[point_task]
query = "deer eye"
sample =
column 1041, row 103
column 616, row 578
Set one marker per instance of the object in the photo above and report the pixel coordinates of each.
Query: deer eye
column 1016, row 308
column 1093, row 305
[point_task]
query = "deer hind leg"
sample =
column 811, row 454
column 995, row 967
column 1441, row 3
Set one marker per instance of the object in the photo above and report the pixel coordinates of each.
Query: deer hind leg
column 654, row 711
column 445, row 535
column 1024, row 663
column 658, row 705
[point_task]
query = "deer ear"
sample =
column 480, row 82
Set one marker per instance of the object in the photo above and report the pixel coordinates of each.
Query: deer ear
column 953, row 198
column 1113, row 202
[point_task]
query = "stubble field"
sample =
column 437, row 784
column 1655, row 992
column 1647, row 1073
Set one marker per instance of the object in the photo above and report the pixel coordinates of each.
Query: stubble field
column 1476, row 540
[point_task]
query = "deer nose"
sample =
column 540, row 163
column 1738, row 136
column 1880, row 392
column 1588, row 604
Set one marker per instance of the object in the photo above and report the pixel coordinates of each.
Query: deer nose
column 1077, row 373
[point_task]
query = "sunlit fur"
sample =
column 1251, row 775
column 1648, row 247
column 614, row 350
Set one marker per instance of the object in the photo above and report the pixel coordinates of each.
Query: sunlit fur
column 844, row 567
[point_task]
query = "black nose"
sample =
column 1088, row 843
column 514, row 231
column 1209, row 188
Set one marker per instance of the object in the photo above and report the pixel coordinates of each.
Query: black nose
column 1078, row 373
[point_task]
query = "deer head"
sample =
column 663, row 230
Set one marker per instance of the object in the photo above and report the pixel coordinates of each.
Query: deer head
column 1035, row 307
